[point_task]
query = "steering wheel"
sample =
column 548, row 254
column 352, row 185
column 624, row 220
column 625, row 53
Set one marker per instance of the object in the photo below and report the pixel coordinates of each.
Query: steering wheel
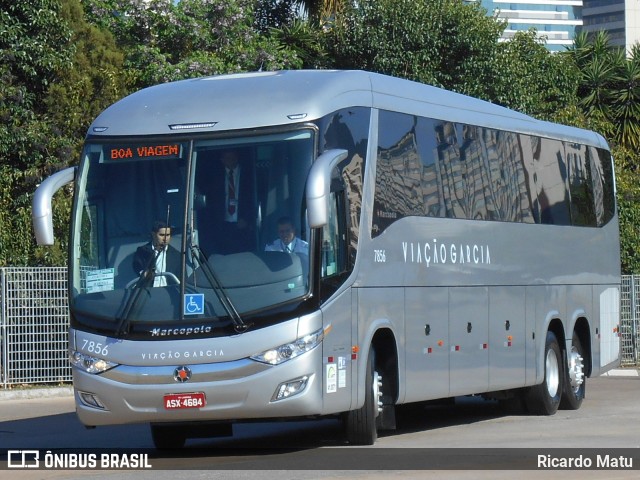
column 167, row 275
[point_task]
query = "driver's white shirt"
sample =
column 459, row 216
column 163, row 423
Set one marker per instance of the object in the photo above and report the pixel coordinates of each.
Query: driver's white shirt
column 161, row 267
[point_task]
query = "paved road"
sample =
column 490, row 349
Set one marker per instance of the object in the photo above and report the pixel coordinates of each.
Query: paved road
column 608, row 422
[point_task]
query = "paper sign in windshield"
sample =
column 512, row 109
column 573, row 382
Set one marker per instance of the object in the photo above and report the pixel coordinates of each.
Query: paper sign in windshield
column 100, row 280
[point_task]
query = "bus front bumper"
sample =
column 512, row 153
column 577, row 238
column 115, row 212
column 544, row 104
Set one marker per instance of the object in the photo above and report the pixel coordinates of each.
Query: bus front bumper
column 228, row 391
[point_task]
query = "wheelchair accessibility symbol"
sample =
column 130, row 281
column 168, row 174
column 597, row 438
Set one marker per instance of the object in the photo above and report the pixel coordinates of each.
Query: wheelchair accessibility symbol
column 193, row 304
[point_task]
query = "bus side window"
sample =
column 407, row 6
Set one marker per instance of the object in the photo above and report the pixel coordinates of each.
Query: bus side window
column 330, row 243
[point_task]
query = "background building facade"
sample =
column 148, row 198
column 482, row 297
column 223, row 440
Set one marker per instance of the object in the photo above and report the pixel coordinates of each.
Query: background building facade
column 556, row 20
column 621, row 18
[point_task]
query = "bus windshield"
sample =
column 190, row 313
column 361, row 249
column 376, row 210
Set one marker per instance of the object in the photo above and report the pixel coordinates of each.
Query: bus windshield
column 180, row 231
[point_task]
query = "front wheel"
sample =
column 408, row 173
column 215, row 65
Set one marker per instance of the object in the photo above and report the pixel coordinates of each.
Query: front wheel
column 544, row 399
column 575, row 380
column 361, row 424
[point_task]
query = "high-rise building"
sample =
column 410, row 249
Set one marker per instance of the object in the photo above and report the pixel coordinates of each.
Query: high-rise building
column 556, row 20
column 559, row 20
column 620, row 18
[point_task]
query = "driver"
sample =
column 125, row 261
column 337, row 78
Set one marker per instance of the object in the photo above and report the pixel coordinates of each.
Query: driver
column 167, row 258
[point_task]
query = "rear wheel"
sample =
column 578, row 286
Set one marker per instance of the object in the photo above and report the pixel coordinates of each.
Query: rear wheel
column 167, row 437
column 360, row 424
column 544, row 399
column 575, row 380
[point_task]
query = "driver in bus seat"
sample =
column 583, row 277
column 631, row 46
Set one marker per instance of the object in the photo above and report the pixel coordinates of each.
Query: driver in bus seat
column 287, row 240
column 167, row 258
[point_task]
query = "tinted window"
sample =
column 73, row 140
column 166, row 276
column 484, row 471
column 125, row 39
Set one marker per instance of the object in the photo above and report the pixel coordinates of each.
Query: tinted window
column 602, row 171
column 580, row 186
column 349, row 129
column 435, row 168
column 551, row 181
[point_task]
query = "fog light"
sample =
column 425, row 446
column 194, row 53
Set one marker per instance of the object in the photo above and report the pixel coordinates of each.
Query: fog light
column 290, row 388
column 91, row 400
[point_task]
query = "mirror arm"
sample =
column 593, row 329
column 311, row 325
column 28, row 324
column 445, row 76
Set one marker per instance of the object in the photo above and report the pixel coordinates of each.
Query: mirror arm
column 319, row 186
column 41, row 213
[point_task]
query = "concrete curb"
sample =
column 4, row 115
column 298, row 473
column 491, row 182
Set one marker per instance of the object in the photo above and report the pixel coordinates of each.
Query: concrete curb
column 622, row 372
column 30, row 393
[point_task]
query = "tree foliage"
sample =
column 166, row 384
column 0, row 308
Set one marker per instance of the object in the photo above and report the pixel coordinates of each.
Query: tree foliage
column 532, row 80
column 628, row 183
column 443, row 42
column 56, row 73
column 34, row 46
column 454, row 45
column 165, row 41
column 609, row 102
column 609, row 84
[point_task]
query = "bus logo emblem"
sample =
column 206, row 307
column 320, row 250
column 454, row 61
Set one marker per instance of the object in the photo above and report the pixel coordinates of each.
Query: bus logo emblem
column 182, row 374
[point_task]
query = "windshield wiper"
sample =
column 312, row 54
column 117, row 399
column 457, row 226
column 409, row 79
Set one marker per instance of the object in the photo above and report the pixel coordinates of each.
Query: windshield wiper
column 238, row 324
column 131, row 301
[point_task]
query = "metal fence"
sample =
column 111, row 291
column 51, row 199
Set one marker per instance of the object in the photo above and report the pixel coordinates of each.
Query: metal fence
column 34, row 321
column 630, row 320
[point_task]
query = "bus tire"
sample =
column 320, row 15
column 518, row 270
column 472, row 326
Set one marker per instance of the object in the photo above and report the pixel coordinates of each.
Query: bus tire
column 167, row 437
column 544, row 399
column 361, row 426
column 575, row 380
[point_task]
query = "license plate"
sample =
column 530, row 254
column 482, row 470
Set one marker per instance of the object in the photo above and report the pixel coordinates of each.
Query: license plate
column 175, row 401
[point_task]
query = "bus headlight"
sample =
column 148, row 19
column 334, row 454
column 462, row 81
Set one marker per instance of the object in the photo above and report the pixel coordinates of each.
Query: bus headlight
column 278, row 355
column 89, row 364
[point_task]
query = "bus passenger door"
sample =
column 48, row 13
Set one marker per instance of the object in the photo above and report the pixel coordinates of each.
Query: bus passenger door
column 468, row 340
column 338, row 369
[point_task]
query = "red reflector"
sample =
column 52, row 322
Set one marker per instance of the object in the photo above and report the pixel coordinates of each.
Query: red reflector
column 429, row 350
column 330, row 359
column 354, row 356
column 457, row 348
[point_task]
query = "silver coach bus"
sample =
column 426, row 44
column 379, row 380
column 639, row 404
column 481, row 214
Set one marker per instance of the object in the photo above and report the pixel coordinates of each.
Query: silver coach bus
column 447, row 247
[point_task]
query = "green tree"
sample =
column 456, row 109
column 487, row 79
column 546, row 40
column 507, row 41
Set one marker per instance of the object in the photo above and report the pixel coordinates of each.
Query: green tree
column 34, row 46
column 301, row 37
column 167, row 41
column 532, row 80
column 454, row 45
column 48, row 96
column 628, row 191
column 322, row 11
column 609, row 92
column 443, row 42
column 626, row 100
column 609, row 84
column 96, row 79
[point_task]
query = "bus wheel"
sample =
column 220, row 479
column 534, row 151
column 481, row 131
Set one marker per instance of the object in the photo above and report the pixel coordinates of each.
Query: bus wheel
column 544, row 399
column 168, row 437
column 361, row 423
column 575, row 381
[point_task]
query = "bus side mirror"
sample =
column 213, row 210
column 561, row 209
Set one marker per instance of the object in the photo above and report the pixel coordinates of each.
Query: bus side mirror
column 319, row 186
column 41, row 213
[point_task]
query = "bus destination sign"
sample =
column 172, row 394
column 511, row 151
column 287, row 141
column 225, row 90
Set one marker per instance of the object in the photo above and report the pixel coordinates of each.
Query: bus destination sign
column 146, row 151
